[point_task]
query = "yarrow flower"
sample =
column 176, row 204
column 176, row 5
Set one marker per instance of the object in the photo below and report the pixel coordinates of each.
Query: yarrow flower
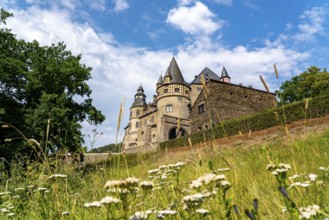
column 278, row 169
column 202, row 211
column 305, row 184
column 309, row 211
column 312, row 177
column 4, row 193
column 65, row 213
column 161, row 214
column 109, row 200
column 130, row 182
column 206, row 180
column 93, row 204
column 146, row 185
column 141, row 215
column 57, row 176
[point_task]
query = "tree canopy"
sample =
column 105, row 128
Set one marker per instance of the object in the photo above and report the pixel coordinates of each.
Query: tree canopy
column 313, row 82
column 42, row 86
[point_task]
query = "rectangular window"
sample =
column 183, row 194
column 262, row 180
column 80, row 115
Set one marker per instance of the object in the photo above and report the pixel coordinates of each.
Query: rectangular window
column 137, row 124
column 145, row 121
column 169, row 108
column 131, row 114
column 165, row 90
column 152, row 119
column 201, row 108
column 176, row 89
column 137, row 113
column 198, row 89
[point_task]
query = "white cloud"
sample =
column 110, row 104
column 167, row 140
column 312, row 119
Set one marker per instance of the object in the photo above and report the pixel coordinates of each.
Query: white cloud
column 120, row 5
column 185, row 2
column 313, row 20
column 224, row 2
column 197, row 19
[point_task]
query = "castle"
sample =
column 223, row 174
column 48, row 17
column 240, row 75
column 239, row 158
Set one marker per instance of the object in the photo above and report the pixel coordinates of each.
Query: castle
column 180, row 108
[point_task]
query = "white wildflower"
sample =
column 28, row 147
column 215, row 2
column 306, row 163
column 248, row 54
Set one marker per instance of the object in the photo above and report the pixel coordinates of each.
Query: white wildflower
column 41, row 189
column 225, row 183
column 146, row 185
column 113, row 183
column 270, row 166
column 11, row 214
column 206, row 180
column 109, row 199
column 16, row 197
column 141, row 215
column 312, row 177
column 30, row 186
column 4, row 193
column 93, row 204
column 193, row 198
column 4, row 210
column 308, row 212
column 65, row 213
column 161, row 214
column 202, row 211
column 153, row 171
column 19, row 189
column 132, row 181
column 57, row 176
column 294, row 176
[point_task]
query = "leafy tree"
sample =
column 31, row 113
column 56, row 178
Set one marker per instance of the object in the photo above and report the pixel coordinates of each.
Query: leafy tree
column 311, row 83
column 42, row 86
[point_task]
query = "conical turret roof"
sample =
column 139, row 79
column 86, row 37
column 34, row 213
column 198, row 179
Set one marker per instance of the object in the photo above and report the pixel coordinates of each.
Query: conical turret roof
column 175, row 73
column 224, row 73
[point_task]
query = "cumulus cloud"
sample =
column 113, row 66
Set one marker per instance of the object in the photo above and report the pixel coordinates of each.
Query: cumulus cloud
column 120, row 5
column 197, row 19
column 313, row 20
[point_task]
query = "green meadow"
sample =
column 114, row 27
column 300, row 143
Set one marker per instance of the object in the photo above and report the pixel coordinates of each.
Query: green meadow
column 282, row 179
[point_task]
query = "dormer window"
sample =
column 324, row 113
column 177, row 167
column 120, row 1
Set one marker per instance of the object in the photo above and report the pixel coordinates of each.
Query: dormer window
column 165, row 90
column 176, row 89
column 168, row 108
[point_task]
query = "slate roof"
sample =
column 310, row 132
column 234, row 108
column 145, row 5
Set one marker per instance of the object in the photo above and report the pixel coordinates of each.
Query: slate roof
column 175, row 73
column 207, row 74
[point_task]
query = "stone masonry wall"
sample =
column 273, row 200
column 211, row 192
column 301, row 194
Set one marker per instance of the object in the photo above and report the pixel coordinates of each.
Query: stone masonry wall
column 228, row 101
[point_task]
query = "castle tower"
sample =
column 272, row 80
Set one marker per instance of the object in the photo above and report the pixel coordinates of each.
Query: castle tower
column 225, row 77
column 173, row 99
column 136, row 110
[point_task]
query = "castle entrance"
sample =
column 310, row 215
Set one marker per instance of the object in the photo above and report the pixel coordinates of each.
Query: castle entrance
column 174, row 133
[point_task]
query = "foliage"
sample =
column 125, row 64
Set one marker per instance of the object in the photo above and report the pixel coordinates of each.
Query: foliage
column 107, row 148
column 286, row 114
column 44, row 95
column 311, row 83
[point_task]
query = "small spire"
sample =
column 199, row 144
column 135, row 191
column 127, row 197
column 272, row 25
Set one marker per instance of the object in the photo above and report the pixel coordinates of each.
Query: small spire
column 160, row 81
column 224, row 73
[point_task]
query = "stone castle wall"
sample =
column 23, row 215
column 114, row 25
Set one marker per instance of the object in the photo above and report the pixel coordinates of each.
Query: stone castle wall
column 227, row 101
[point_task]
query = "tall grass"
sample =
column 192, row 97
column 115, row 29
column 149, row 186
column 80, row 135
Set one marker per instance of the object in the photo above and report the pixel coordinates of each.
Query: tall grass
column 248, row 190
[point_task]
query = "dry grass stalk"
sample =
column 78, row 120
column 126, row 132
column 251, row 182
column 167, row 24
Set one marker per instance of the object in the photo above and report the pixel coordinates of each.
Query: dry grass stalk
column 276, row 116
column 120, row 115
column 276, row 71
column 306, row 104
column 204, row 86
column 249, row 134
column 264, row 83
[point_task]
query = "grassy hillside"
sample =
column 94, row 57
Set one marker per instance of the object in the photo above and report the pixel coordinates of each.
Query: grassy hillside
column 201, row 183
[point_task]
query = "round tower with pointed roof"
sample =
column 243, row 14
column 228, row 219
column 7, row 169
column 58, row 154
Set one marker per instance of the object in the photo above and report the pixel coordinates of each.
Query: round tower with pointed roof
column 136, row 110
column 225, row 77
column 173, row 96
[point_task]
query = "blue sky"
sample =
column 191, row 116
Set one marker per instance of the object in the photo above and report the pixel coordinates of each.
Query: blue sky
column 129, row 42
